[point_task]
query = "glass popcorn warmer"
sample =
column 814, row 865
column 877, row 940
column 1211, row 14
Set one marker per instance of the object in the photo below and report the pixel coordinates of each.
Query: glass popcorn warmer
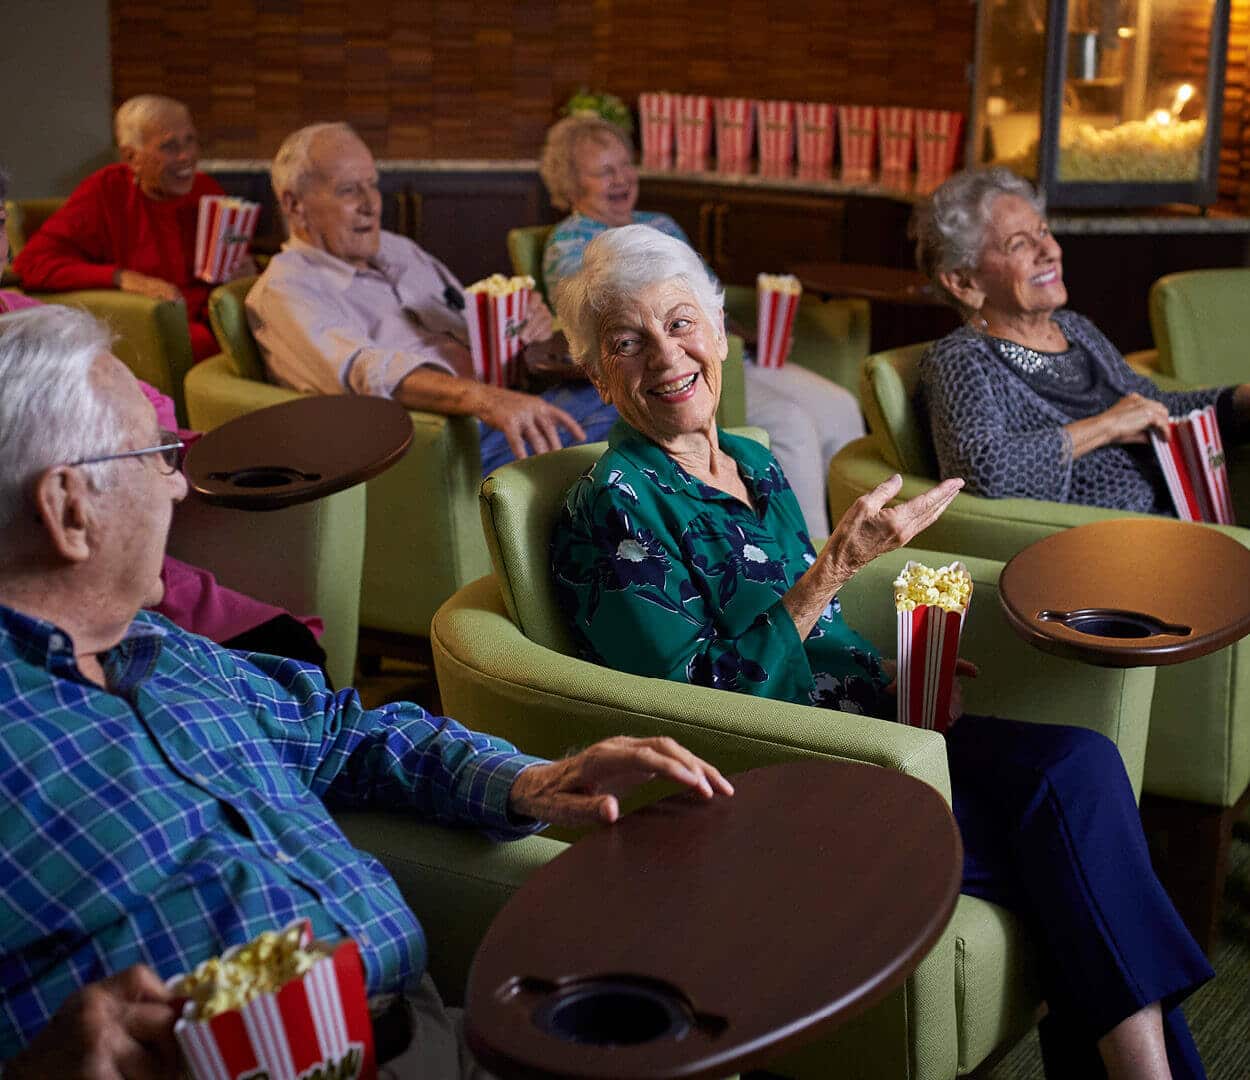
column 1102, row 102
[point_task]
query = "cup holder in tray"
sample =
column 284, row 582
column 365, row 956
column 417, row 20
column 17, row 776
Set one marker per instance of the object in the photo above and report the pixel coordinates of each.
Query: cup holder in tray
column 264, row 476
column 1113, row 623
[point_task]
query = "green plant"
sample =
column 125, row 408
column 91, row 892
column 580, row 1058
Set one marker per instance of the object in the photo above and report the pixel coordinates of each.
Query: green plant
column 597, row 103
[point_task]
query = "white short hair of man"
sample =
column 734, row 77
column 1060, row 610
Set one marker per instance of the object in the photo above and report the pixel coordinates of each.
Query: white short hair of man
column 617, row 265
column 292, row 167
column 136, row 116
column 51, row 412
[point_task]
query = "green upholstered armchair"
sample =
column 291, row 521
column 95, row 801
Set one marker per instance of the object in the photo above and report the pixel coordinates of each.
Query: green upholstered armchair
column 1198, row 758
column 504, row 663
column 830, row 338
column 152, row 337
column 1197, row 318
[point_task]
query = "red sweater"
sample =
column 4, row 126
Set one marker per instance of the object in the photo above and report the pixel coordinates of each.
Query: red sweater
column 107, row 225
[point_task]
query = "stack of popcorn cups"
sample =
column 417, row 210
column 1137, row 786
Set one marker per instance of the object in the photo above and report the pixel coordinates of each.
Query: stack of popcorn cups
column 776, row 137
column 694, row 131
column 317, row 1024
column 928, row 646
column 814, row 124
column 777, row 297
column 495, row 310
column 735, row 130
column 937, row 146
column 223, row 231
column 657, row 113
column 857, row 129
column 896, row 135
column 1194, row 466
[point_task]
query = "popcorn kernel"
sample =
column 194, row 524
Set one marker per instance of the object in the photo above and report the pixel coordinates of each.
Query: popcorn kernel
column 947, row 587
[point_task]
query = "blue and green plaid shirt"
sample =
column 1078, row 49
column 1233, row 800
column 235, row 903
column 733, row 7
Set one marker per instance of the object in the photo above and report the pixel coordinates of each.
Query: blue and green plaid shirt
column 186, row 810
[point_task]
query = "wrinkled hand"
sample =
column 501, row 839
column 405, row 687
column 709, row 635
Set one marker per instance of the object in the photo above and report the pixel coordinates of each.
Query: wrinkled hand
column 122, row 1026
column 870, row 527
column 530, row 424
column 963, row 669
column 1132, row 418
column 134, row 282
column 584, row 789
column 538, row 325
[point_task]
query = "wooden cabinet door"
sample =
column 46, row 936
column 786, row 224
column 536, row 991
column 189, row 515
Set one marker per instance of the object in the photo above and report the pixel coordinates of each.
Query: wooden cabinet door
column 766, row 232
column 691, row 205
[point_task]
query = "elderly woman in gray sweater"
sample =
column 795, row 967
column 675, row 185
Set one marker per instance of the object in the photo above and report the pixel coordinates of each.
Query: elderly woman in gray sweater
column 1026, row 399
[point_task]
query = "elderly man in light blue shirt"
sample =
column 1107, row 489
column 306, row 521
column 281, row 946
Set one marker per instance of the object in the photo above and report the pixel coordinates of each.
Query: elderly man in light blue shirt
column 349, row 308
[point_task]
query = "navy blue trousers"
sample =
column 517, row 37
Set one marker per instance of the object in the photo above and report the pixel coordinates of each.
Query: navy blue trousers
column 1051, row 831
column 580, row 400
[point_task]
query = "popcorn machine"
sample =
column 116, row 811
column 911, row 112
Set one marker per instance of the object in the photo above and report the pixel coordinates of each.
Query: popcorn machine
column 1102, row 102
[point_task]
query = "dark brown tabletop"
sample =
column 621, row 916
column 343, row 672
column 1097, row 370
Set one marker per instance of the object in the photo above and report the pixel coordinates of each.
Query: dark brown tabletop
column 882, row 283
column 298, row 451
column 698, row 938
column 1130, row 592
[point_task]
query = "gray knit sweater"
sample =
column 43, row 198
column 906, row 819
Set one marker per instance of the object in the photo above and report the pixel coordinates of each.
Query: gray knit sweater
column 1006, row 438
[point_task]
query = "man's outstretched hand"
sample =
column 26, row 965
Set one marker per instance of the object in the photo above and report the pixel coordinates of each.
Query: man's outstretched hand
column 584, row 789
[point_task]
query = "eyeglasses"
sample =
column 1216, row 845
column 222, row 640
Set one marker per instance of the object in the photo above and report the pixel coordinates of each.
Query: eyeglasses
column 172, row 450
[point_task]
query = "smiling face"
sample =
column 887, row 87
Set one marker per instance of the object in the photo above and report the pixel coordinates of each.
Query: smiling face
column 607, row 182
column 340, row 208
column 1021, row 268
column 164, row 163
column 661, row 360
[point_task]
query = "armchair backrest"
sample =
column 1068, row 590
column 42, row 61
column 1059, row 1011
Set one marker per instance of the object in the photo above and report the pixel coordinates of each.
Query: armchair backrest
column 525, row 249
column 888, row 384
column 1197, row 320
column 25, row 216
column 228, row 315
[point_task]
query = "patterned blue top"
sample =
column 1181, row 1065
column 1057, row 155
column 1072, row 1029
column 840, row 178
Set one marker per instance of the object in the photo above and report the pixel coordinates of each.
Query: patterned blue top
column 659, row 574
column 183, row 812
column 563, row 255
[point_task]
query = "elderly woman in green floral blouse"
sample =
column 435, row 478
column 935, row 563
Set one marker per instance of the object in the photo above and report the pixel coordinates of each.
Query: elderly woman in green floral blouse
column 682, row 554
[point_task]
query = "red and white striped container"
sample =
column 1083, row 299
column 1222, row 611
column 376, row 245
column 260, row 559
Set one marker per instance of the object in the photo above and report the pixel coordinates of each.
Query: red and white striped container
column 1193, row 464
column 896, row 130
column 776, row 136
column 319, row 1021
column 857, row 130
column 223, row 232
column 937, row 145
column 928, row 646
column 495, row 332
column 657, row 113
column 735, row 133
column 776, row 308
column 694, row 131
column 814, row 124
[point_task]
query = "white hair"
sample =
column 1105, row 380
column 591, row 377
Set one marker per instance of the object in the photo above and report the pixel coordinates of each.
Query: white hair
column 136, row 116
column 620, row 263
column 292, row 167
column 558, row 165
column 949, row 226
column 51, row 412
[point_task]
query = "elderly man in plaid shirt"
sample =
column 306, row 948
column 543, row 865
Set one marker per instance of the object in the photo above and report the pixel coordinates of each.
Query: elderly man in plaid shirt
column 162, row 798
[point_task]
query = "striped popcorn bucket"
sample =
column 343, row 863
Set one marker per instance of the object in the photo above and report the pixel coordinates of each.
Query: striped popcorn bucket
column 735, row 131
column 224, row 229
column 776, row 308
column 857, row 128
column 495, row 332
column 657, row 112
column 937, row 144
column 814, row 124
column 694, row 130
column 896, row 136
column 1193, row 465
column 776, row 136
column 928, row 646
column 316, row 1025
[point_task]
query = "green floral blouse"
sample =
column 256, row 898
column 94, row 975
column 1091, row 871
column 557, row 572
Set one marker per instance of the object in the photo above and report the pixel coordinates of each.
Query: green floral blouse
column 659, row 574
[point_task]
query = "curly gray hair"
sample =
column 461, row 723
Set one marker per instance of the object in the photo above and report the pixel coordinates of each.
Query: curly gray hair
column 557, row 165
column 618, row 264
column 949, row 226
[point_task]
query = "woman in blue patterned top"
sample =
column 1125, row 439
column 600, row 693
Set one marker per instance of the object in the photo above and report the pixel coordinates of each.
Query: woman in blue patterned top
column 682, row 554
column 588, row 167
column 1028, row 400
